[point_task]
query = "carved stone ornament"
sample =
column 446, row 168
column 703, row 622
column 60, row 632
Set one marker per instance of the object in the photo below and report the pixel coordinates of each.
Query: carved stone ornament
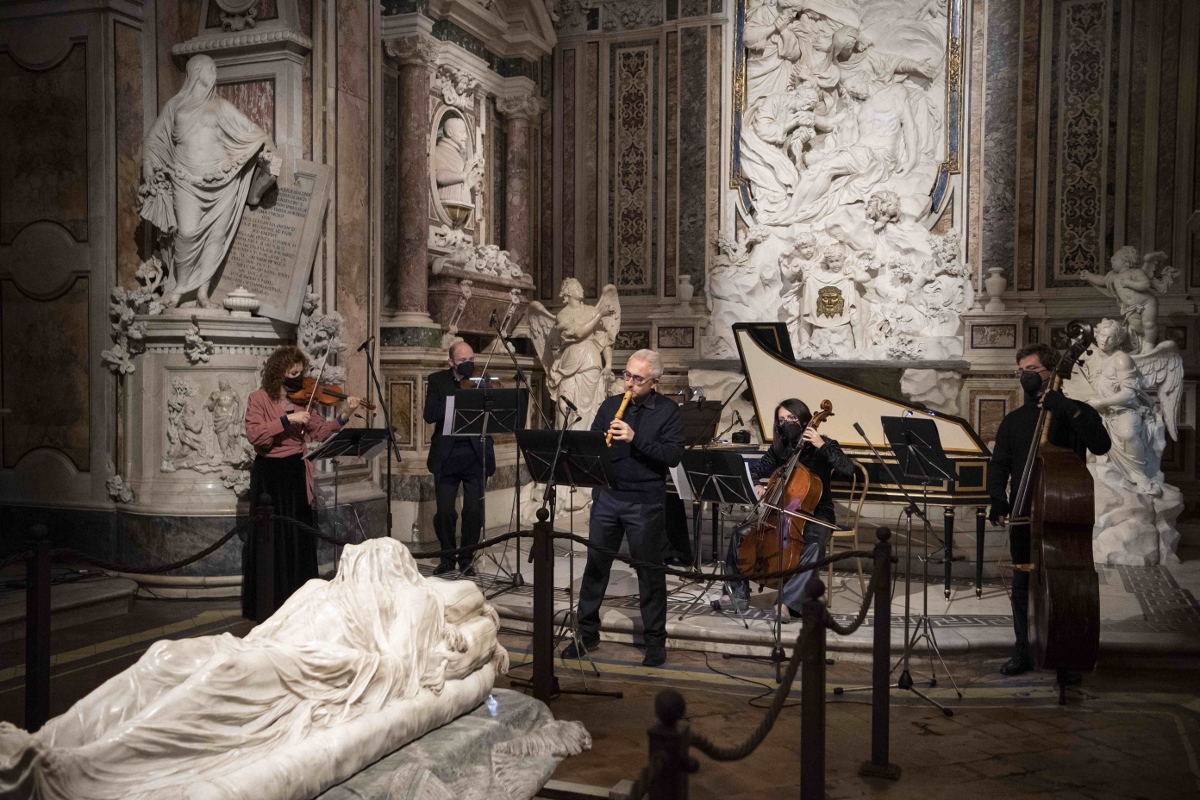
column 456, row 167
column 196, row 348
column 414, row 51
column 237, row 15
column 458, row 88
column 129, row 336
column 241, row 302
column 319, row 336
column 523, row 106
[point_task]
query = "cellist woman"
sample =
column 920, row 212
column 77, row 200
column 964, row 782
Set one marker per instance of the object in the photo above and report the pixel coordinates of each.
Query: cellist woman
column 1073, row 425
column 823, row 457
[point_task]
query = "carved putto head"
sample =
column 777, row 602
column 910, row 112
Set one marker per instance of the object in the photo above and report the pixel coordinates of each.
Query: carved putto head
column 572, row 289
column 1110, row 335
column 1124, row 259
column 835, row 257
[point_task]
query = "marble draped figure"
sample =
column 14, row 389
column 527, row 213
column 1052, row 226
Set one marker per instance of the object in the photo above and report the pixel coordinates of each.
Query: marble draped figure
column 346, row 671
column 575, row 347
column 201, row 163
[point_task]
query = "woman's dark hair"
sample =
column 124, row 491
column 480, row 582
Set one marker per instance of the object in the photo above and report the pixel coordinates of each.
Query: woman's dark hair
column 795, row 406
column 277, row 365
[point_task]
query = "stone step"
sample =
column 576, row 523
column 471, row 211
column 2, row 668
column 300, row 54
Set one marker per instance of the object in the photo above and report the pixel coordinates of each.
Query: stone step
column 71, row 604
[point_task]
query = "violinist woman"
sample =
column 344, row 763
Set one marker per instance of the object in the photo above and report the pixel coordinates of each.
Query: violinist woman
column 278, row 430
column 1074, row 425
column 823, row 457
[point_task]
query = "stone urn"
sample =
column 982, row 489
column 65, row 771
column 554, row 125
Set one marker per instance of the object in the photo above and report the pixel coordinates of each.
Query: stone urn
column 459, row 213
column 995, row 284
column 241, row 302
column 684, row 289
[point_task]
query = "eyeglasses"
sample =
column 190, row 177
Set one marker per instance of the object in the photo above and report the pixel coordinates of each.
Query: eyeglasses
column 636, row 380
column 790, row 418
column 1029, row 371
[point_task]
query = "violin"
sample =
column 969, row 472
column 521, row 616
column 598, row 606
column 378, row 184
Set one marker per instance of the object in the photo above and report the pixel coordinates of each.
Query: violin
column 326, row 394
column 480, row 380
column 776, row 538
column 1064, row 589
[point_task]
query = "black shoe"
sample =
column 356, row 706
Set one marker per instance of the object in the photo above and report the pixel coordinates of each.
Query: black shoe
column 579, row 649
column 656, row 655
column 442, row 569
column 1020, row 663
column 468, row 572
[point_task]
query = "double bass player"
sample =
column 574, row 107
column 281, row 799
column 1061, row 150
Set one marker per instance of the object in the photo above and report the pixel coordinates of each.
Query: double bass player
column 1074, row 425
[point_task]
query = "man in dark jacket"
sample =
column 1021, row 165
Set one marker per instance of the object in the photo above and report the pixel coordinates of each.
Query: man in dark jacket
column 1074, row 425
column 645, row 444
column 823, row 457
column 454, row 461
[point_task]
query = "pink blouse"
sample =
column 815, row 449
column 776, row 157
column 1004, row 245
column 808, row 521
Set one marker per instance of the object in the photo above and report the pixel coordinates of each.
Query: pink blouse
column 273, row 437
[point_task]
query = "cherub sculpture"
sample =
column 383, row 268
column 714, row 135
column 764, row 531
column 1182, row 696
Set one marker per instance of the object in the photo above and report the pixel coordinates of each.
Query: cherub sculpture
column 1123, row 383
column 575, row 347
column 1137, row 289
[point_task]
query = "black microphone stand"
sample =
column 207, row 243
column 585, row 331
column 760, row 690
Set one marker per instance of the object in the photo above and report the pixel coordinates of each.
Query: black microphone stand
column 387, row 420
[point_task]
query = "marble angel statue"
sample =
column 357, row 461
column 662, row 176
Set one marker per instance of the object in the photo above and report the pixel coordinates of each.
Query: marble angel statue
column 346, row 671
column 202, row 162
column 575, row 347
column 1136, row 287
column 1123, row 383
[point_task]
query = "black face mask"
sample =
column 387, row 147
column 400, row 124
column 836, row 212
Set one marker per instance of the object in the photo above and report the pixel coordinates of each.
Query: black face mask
column 1031, row 382
column 294, row 384
column 789, row 431
column 466, row 369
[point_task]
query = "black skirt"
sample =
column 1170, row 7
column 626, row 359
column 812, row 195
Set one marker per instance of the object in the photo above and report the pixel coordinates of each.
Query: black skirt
column 295, row 550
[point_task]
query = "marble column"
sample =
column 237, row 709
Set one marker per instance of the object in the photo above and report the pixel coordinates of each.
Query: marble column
column 519, row 109
column 416, row 57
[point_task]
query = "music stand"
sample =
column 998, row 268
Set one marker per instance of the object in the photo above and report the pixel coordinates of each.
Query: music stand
column 918, row 450
column 362, row 443
column 579, row 459
column 480, row 413
column 700, row 421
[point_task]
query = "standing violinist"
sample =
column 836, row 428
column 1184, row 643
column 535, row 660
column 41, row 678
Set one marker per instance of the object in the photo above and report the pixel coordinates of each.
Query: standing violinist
column 456, row 461
column 1073, row 425
column 646, row 442
column 278, row 429
column 822, row 457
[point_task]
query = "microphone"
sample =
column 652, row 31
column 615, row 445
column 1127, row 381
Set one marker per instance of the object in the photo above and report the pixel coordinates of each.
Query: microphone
column 698, row 396
column 570, row 405
column 737, row 417
column 861, row 432
column 363, row 346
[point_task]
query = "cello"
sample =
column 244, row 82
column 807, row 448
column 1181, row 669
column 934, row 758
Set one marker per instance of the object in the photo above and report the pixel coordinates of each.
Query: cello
column 776, row 537
column 1064, row 589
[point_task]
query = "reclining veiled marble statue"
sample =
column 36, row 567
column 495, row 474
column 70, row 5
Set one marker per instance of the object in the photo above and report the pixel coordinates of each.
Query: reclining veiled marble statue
column 345, row 672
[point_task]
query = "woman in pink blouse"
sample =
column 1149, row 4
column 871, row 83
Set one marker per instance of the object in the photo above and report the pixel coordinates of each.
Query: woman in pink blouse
column 278, row 430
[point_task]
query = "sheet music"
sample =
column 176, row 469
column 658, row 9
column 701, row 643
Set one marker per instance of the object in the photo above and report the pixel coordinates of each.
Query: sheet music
column 679, row 478
column 448, row 423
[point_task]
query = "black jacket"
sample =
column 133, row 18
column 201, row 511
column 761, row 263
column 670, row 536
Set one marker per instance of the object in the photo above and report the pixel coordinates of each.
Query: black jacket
column 822, row 462
column 1082, row 430
column 641, row 465
column 440, row 386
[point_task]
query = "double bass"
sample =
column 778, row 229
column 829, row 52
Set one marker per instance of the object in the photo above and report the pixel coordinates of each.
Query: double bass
column 776, row 537
column 1064, row 589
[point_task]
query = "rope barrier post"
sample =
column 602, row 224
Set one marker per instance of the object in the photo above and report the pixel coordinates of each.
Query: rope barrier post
column 670, row 763
column 264, row 558
column 812, row 693
column 543, row 682
column 881, row 657
column 37, row 630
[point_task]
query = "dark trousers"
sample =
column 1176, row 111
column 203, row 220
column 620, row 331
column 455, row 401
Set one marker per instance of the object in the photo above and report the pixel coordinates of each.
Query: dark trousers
column 642, row 523
column 1018, row 544
column 816, row 539
column 294, row 550
column 460, row 467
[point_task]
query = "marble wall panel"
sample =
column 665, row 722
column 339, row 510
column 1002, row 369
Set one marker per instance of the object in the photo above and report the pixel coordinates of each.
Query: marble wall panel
column 127, row 55
column 676, row 337
column 1140, row 93
column 975, row 123
column 255, row 99
column 402, row 394
column 545, row 279
column 712, row 153
column 44, row 160
column 632, row 340
column 1000, row 139
column 693, row 8
column 177, row 21
column 390, row 188
column 267, row 9
column 1027, row 144
column 693, row 152
column 44, row 356
column 671, row 157
column 499, row 158
column 587, row 176
column 634, row 138
column 1168, row 120
column 568, row 163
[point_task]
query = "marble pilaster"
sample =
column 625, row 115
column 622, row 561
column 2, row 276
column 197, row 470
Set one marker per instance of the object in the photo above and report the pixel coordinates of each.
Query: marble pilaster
column 518, row 109
column 415, row 57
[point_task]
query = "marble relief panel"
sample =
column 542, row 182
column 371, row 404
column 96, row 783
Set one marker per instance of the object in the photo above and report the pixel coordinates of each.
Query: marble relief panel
column 44, row 358
column 129, row 123
column 677, row 337
column 44, row 160
column 633, row 127
column 255, row 99
column 632, row 340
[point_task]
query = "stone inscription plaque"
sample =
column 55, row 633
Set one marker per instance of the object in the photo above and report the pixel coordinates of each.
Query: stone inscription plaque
column 275, row 244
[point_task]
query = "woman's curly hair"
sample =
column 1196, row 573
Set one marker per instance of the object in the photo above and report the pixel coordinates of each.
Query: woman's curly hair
column 279, row 363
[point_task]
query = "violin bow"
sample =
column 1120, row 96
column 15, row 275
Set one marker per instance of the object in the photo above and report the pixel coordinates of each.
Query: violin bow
column 317, row 382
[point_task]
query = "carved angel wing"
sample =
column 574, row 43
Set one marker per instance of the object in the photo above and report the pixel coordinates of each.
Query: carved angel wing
column 1162, row 369
column 543, row 333
column 611, row 323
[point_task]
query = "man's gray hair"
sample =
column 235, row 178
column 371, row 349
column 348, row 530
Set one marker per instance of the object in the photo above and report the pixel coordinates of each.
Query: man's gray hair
column 653, row 359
